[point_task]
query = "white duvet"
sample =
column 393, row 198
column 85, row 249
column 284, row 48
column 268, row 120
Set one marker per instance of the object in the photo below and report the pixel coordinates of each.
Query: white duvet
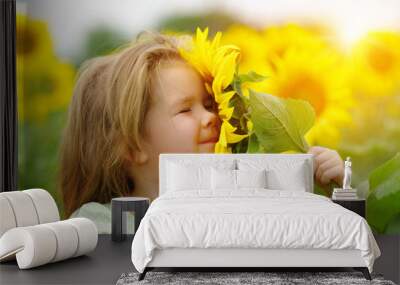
column 253, row 218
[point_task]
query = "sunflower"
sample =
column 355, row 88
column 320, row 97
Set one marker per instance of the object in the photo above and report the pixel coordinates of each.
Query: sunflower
column 216, row 64
column 375, row 64
column 264, row 48
column 43, row 79
column 278, row 40
column 318, row 79
column 33, row 40
column 253, row 49
column 47, row 85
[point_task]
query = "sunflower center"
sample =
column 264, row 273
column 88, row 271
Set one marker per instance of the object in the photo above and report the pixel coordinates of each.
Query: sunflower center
column 26, row 41
column 380, row 59
column 307, row 88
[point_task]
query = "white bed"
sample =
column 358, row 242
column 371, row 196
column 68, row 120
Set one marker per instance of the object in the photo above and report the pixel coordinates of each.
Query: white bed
column 281, row 225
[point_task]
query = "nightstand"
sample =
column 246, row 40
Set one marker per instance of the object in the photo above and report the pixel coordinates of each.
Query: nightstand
column 355, row 205
column 119, row 207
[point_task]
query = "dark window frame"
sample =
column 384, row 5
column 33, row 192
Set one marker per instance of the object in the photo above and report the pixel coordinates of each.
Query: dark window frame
column 8, row 97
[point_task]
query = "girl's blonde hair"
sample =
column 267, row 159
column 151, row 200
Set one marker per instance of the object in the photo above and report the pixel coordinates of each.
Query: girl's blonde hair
column 106, row 118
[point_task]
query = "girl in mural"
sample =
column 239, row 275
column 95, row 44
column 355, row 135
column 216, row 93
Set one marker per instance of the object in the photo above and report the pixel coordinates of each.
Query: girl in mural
column 127, row 108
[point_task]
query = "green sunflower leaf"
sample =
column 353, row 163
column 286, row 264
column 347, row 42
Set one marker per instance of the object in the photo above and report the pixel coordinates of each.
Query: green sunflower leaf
column 254, row 145
column 251, row 77
column 280, row 124
column 383, row 203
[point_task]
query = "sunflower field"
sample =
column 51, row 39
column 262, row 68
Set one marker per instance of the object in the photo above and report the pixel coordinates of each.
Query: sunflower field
column 345, row 99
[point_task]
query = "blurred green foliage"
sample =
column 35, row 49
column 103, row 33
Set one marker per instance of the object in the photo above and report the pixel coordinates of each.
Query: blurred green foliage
column 215, row 21
column 101, row 41
column 38, row 161
column 383, row 211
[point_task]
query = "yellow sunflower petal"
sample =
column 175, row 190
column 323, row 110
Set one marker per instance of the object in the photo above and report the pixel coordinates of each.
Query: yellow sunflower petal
column 226, row 113
column 224, row 98
column 222, row 149
column 230, row 136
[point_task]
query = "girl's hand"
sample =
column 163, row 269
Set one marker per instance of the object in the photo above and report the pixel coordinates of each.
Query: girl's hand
column 328, row 165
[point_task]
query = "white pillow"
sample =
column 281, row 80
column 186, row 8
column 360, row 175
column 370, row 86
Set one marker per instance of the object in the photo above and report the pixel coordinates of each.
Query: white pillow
column 282, row 174
column 223, row 179
column 293, row 180
column 219, row 163
column 251, row 178
column 185, row 174
column 185, row 177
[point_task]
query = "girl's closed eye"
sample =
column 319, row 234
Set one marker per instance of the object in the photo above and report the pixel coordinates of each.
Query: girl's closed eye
column 184, row 110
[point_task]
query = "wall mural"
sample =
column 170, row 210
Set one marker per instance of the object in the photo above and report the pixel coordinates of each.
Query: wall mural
column 283, row 87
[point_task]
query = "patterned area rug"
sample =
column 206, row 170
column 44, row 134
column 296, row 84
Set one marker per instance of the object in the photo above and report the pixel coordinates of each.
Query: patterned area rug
column 225, row 278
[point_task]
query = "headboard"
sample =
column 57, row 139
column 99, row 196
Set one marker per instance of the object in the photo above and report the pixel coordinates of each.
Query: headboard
column 201, row 158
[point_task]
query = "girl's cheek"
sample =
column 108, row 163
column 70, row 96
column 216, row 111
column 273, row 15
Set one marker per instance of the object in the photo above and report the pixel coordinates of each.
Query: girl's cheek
column 184, row 133
column 177, row 134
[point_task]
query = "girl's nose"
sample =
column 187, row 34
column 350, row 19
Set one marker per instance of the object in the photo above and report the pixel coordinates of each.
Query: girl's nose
column 209, row 119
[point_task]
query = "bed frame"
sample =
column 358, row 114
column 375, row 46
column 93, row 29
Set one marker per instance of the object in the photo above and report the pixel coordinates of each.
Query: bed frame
column 248, row 259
